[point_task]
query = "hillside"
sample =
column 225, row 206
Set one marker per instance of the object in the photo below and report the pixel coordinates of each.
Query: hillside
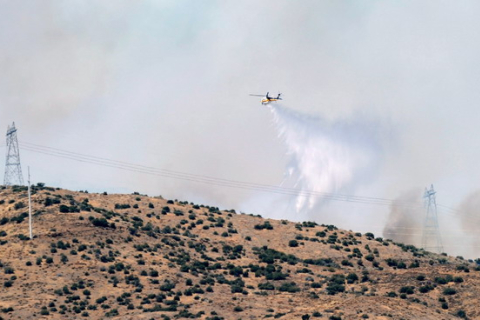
column 98, row 256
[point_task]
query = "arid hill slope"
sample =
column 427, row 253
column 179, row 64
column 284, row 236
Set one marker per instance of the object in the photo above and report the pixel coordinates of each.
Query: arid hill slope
column 98, row 256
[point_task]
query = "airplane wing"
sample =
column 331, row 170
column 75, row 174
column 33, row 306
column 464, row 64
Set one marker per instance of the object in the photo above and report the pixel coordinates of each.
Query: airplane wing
column 258, row 95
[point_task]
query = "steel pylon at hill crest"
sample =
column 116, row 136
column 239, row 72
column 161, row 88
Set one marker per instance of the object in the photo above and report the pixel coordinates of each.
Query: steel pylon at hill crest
column 431, row 239
column 13, row 169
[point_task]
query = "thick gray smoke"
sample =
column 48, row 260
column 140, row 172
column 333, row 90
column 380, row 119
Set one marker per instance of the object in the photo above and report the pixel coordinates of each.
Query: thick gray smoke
column 405, row 220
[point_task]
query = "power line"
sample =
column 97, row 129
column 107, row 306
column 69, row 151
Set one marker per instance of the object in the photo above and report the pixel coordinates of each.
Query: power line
column 132, row 167
column 203, row 179
column 105, row 161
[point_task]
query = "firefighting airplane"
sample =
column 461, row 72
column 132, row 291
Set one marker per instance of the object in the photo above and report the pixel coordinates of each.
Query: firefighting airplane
column 267, row 99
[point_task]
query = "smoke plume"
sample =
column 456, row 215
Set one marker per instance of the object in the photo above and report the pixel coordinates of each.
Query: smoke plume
column 468, row 214
column 405, row 222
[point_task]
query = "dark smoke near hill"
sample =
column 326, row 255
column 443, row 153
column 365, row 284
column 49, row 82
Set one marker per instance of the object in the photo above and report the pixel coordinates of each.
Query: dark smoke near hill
column 405, row 219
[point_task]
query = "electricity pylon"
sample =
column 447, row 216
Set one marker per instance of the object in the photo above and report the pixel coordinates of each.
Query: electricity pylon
column 13, row 170
column 431, row 240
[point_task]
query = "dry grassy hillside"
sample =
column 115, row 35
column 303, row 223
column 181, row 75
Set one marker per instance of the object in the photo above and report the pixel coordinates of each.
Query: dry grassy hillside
column 98, row 256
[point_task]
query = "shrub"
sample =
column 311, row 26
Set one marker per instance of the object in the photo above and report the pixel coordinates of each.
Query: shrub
column 100, row 222
column 336, row 284
column 407, row 290
column 461, row 314
column 19, row 218
column 9, row 270
column 265, row 225
column 370, row 257
column 346, row 263
column 321, row 234
column 289, row 287
column 19, row 205
column 293, row 243
column 352, row 277
column 449, row 291
column 266, row 286
column 425, row 289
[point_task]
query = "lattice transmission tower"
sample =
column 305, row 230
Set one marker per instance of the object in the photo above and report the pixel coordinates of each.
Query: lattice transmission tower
column 431, row 239
column 13, row 169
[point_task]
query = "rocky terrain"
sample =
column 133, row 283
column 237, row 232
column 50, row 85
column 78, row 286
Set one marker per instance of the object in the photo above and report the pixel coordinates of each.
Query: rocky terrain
column 99, row 256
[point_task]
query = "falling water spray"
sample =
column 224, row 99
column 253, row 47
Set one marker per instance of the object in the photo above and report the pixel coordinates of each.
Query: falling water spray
column 326, row 156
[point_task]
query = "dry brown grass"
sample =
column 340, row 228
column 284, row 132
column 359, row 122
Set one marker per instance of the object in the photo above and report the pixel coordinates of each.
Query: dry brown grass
column 95, row 255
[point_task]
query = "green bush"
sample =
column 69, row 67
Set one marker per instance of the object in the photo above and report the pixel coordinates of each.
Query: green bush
column 407, row 290
column 370, row 257
column 293, row 243
column 461, row 314
column 352, row 277
column 9, row 270
column 449, row 291
column 19, row 218
column 19, row 205
column 266, row 286
column 102, row 223
column 289, row 287
column 336, row 284
column 265, row 225
column 425, row 289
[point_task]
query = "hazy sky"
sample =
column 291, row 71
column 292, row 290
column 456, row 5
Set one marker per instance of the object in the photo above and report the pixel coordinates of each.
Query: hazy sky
column 166, row 83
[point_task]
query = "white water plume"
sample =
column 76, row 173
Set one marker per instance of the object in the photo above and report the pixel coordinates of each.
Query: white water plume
column 326, row 156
